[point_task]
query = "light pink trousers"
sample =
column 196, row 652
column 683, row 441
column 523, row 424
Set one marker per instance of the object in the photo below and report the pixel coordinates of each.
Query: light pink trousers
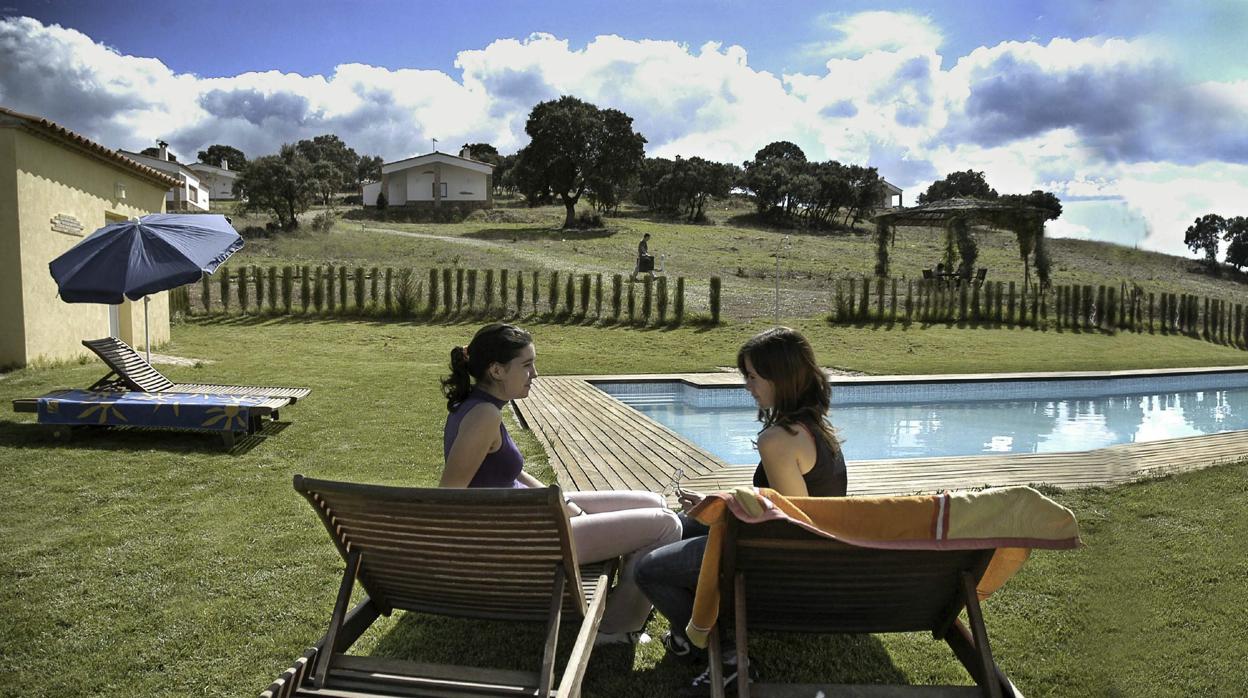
column 628, row 523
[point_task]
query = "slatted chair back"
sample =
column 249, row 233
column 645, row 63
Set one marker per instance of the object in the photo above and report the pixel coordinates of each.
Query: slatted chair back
column 799, row 582
column 473, row 553
column 131, row 368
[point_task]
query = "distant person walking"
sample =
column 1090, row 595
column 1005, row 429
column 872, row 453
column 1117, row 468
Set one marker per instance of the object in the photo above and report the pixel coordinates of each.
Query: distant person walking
column 645, row 261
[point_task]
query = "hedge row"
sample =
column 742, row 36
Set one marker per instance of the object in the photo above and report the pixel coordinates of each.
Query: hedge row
column 442, row 292
column 1087, row 308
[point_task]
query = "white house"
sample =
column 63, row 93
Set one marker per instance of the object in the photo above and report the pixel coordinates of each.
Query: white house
column 219, row 181
column 189, row 195
column 890, row 195
column 433, row 178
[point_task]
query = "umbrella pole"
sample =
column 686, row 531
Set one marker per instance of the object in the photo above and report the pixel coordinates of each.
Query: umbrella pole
column 147, row 335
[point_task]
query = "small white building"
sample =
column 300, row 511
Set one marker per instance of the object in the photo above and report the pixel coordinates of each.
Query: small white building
column 219, row 181
column 890, row 195
column 189, row 195
column 434, row 178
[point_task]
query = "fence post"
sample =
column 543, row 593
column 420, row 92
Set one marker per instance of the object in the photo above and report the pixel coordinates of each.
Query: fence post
column 909, row 299
column 598, row 296
column 879, row 299
column 715, row 299
column 864, row 305
column 1111, row 308
column 893, row 303
column 459, row 290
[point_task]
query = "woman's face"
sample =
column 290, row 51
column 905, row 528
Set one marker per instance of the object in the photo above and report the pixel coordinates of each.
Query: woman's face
column 514, row 378
column 763, row 390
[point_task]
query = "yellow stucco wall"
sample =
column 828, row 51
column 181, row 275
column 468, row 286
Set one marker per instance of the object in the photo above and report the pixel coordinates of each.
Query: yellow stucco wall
column 41, row 179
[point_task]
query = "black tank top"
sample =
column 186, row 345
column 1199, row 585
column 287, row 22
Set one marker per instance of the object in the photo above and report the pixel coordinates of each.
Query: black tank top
column 826, row 479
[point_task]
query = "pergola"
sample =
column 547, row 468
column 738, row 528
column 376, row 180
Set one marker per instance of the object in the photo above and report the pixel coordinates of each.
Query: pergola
column 957, row 216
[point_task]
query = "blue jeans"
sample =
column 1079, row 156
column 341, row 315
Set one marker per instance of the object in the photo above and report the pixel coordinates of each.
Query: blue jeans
column 668, row 576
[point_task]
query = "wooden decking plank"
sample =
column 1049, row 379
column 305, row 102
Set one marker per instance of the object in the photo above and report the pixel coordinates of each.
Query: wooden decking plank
column 628, row 467
column 569, row 475
column 653, row 470
column 571, row 430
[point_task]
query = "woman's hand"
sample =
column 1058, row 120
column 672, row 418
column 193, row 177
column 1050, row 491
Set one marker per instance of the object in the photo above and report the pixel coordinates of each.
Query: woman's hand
column 688, row 499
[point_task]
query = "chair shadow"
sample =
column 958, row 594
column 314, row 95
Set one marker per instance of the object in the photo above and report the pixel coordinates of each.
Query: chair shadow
column 108, row 438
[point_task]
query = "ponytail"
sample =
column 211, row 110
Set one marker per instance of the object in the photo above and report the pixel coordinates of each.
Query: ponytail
column 494, row 343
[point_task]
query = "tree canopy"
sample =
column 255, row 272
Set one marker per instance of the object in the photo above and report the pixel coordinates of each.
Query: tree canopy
column 785, row 184
column 330, row 149
column 1236, row 233
column 282, row 184
column 683, row 186
column 214, row 154
column 1205, row 235
column 574, row 147
column 959, row 185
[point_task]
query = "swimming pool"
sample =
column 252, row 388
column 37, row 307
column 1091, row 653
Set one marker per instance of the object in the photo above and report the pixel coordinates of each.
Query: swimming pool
column 962, row 418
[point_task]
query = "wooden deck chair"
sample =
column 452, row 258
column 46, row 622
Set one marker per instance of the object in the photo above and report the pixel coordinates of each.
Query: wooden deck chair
column 776, row 576
column 496, row 554
column 130, row 371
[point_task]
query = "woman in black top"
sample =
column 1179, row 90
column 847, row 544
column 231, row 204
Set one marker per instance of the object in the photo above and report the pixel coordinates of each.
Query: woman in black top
column 800, row 457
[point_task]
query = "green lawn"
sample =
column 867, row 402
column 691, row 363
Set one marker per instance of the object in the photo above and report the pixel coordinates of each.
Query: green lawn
column 156, row 564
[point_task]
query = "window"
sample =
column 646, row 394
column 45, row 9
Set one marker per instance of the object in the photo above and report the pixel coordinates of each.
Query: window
column 434, row 189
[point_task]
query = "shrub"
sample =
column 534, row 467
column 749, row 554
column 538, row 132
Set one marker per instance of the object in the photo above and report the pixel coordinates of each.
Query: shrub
column 487, row 293
column 225, row 289
column 257, row 273
column 372, row 296
column 359, row 289
column 342, row 289
column 617, row 287
column 502, row 289
column 305, row 287
column 715, row 293
column 647, row 297
column 242, row 288
column 446, row 290
column 330, row 301
column 406, row 293
column 472, row 287
column 588, row 219
column 552, row 293
column 318, row 290
column 433, row 290
column 382, row 201
column 632, row 301
column 389, row 289
column 662, row 300
column 459, row 289
column 584, row 295
column 678, row 308
column 273, row 288
column 323, row 222
column 535, row 291
column 205, row 295
column 520, row 293
column 598, row 296
column 288, row 288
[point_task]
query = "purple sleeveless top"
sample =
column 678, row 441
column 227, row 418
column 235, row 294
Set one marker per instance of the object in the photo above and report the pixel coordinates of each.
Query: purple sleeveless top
column 500, row 468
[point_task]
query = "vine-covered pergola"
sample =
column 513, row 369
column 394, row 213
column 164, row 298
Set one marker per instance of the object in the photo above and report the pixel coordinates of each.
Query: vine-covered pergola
column 957, row 216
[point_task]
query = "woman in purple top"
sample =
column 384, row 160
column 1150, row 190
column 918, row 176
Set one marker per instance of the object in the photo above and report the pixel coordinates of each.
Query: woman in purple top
column 498, row 366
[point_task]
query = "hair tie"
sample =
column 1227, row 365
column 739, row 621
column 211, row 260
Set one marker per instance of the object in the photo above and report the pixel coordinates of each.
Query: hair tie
column 464, row 349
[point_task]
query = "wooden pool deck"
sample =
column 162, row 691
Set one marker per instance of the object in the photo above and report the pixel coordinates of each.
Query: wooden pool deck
column 596, row 442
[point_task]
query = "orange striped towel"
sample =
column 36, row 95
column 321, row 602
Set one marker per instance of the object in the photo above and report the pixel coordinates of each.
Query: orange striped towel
column 1011, row 519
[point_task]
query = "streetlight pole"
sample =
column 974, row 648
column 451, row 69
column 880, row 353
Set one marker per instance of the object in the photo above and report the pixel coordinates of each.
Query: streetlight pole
column 780, row 248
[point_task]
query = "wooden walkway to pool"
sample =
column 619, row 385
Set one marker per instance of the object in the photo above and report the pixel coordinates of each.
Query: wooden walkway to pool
column 596, row 442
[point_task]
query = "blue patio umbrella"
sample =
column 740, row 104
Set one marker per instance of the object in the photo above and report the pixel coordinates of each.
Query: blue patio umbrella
column 134, row 258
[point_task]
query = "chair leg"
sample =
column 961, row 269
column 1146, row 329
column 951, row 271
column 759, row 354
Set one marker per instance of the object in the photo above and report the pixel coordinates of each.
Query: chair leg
column 743, row 654
column 715, row 659
column 983, row 651
column 552, row 633
column 335, row 621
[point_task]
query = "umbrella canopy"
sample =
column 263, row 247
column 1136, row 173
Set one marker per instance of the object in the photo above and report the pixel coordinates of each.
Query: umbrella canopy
column 132, row 259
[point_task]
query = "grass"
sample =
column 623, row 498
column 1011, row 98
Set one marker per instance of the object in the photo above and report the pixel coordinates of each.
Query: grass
column 730, row 246
column 156, row 564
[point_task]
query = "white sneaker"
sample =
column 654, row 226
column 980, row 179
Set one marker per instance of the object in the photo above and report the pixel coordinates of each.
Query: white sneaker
column 633, row 638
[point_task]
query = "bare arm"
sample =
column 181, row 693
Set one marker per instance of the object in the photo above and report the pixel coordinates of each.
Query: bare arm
column 529, row 481
column 478, row 432
column 780, row 452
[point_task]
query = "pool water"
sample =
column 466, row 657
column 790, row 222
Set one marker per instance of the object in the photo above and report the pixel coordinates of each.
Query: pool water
column 902, row 420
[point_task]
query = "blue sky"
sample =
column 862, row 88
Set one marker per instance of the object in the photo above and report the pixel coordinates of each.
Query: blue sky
column 1134, row 110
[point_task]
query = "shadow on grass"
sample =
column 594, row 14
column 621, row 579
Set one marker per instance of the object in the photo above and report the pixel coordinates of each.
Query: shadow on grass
column 111, row 438
column 461, row 318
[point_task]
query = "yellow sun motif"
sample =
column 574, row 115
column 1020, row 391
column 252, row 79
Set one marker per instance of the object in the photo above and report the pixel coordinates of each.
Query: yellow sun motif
column 225, row 418
column 105, row 410
column 173, row 400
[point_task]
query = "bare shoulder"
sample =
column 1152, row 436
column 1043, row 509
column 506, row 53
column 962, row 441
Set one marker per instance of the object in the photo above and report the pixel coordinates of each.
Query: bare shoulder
column 483, row 416
column 776, row 439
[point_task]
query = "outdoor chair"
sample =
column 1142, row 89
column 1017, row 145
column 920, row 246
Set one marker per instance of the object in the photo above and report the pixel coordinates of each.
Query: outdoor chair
column 130, row 371
column 779, row 577
column 224, row 414
column 490, row 554
column 980, row 276
column 928, row 275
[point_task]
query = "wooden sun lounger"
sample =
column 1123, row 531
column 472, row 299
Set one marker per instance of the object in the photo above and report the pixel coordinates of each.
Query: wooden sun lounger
column 776, row 576
column 130, row 371
column 496, row 554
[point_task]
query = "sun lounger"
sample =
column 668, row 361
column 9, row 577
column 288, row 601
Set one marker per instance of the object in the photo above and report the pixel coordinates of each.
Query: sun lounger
column 228, row 415
column 495, row 554
column 130, row 371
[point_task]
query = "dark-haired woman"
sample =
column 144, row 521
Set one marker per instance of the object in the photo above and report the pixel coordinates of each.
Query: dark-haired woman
column 498, row 366
column 800, row 456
